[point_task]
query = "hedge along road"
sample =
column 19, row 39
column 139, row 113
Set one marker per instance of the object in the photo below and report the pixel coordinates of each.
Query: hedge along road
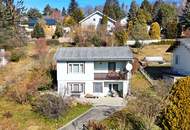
column 96, row 113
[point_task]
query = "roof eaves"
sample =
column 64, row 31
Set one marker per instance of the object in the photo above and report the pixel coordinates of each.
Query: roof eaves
column 114, row 21
column 173, row 46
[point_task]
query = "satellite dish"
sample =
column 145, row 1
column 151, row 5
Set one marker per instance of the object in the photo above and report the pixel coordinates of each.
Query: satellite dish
column 129, row 67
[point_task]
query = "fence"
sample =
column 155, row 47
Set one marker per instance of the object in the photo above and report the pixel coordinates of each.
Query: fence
column 146, row 42
column 152, row 82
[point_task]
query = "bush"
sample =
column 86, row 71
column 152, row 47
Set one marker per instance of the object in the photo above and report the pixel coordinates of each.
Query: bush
column 121, row 36
column 50, row 106
column 137, row 44
column 96, row 41
column 96, row 126
column 58, row 31
column 125, row 120
column 38, row 31
column 155, row 31
column 16, row 55
column 167, row 42
column 176, row 114
column 26, row 86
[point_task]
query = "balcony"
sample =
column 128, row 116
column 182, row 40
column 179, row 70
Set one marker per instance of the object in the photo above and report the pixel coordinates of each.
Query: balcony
column 110, row 76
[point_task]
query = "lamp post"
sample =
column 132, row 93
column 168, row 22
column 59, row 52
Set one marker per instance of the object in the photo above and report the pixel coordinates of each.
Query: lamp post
column 129, row 67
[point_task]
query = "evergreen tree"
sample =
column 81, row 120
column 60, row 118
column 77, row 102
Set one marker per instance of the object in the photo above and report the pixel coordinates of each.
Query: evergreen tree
column 10, row 14
column 154, row 31
column 185, row 18
column 68, row 21
column 176, row 114
column 137, row 29
column 147, row 9
column 58, row 30
column 166, row 14
column 172, row 29
column 75, row 12
column 132, row 14
column 156, row 8
column 145, row 5
column 63, row 12
column 38, row 31
column 34, row 13
column 47, row 10
column 72, row 7
column 112, row 9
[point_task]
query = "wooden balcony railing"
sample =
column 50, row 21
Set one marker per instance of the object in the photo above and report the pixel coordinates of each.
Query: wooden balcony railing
column 110, row 76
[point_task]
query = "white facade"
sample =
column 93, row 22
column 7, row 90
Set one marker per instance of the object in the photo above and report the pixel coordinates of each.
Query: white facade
column 88, row 79
column 181, row 59
column 123, row 22
column 94, row 20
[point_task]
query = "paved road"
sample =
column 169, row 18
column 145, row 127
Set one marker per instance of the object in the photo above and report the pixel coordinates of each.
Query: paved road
column 97, row 113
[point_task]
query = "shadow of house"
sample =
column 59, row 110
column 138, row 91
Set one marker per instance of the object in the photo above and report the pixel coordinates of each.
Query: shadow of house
column 157, row 72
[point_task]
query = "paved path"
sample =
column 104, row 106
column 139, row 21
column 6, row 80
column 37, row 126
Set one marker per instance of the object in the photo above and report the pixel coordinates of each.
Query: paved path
column 97, row 113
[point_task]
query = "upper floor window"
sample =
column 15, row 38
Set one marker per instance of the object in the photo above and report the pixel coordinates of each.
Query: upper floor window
column 75, row 68
column 177, row 59
column 94, row 19
column 111, row 66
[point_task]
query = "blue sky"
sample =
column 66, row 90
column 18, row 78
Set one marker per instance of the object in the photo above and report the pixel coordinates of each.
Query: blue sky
column 40, row 4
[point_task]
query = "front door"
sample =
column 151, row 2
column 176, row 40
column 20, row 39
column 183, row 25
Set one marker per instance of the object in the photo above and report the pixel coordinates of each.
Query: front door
column 111, row 66
column 115, row 87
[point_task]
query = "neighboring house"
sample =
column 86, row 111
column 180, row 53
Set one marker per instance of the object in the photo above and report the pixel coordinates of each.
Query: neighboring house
column 186, row 33
column 3, row 60
column 93, row 71
column 48, row 21
column 49, row 28
column 95, row 19
column 181, row 56
column 123, row 21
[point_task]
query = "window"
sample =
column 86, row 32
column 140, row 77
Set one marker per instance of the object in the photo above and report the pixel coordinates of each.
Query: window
column 97, row 87
column 70, row 68
column 76, row 68
column 94, row 19
column 177, row 59
column 111, row 66
column 76, row 87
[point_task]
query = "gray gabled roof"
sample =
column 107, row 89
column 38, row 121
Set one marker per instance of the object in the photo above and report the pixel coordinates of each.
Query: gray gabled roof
column 182, row 41
column 94, row 54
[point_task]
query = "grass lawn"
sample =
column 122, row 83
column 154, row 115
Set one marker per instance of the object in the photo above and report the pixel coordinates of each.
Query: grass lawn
column 139, row 82
column 25, row 119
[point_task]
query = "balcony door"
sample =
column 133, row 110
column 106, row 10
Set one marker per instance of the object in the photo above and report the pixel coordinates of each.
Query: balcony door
column 111, row 66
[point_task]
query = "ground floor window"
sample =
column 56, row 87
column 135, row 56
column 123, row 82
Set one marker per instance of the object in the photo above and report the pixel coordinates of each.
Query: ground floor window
column 76, row 87
column 98, row 87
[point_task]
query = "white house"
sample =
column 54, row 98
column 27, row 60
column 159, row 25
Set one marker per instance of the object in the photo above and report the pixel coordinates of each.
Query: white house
column 94, row 71
column 123, row 21
column 181, row 56
column 95, row 19
column 3, row 60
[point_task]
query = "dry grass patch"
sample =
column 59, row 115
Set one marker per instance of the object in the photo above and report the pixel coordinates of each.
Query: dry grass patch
column 139, row 82
column 154, row 50
column 23, row 118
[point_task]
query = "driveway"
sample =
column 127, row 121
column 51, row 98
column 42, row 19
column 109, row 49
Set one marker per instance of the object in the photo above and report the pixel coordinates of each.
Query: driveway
column 104, row 101
column 97, row 113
